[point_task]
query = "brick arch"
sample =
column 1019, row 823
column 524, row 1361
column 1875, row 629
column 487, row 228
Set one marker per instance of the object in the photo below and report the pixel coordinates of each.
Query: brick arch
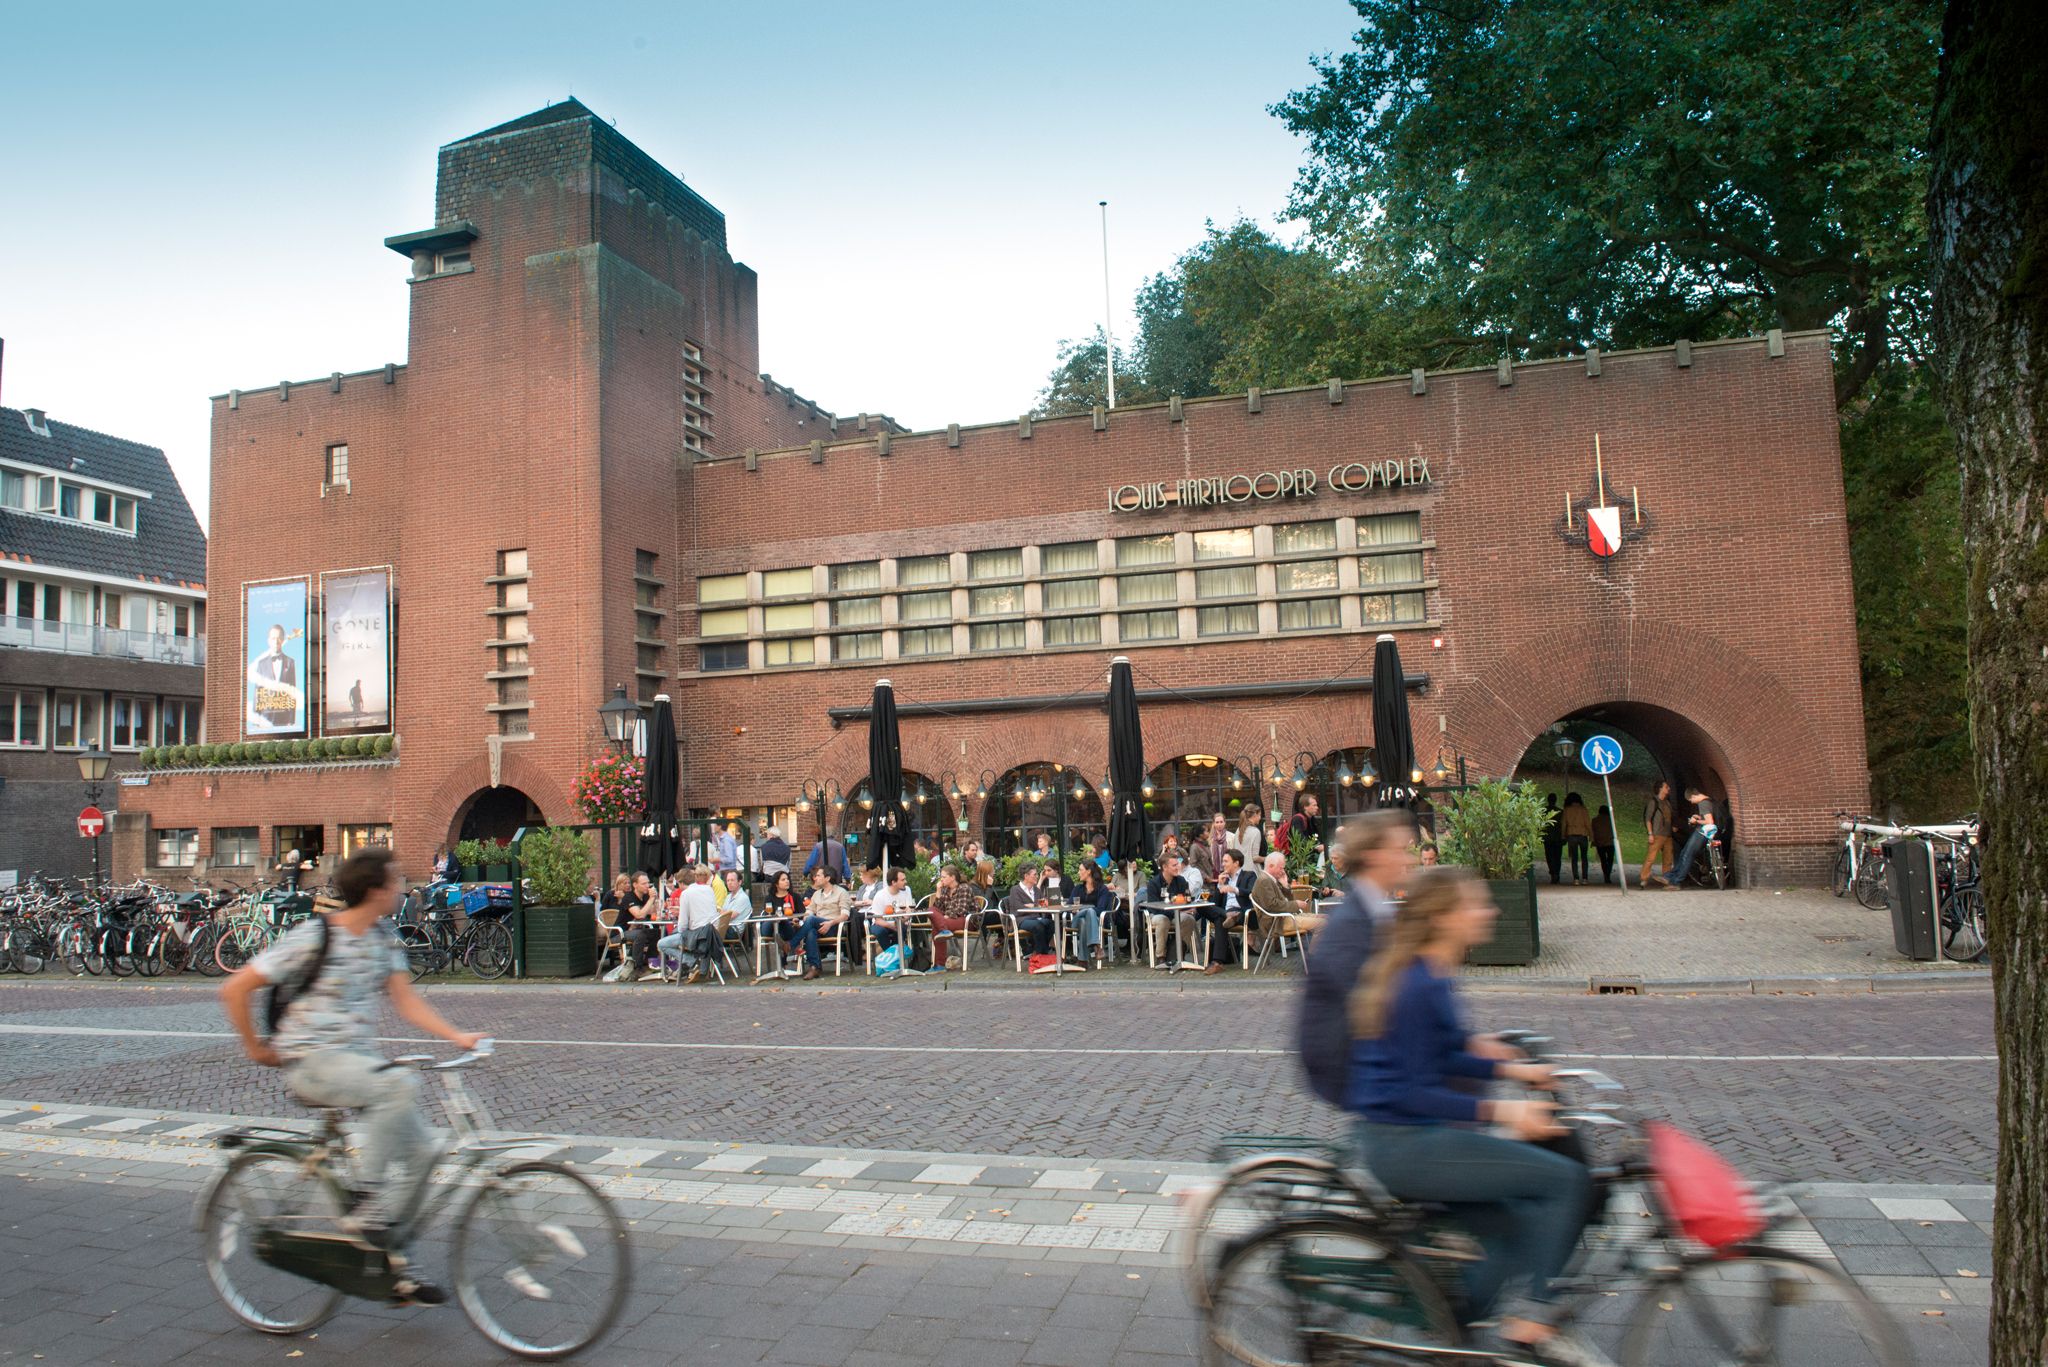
column 514, row 771
column 1750, row 717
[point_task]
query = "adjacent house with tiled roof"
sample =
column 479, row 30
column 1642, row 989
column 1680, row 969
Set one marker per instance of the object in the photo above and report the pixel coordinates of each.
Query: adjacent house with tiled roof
column 102, row 628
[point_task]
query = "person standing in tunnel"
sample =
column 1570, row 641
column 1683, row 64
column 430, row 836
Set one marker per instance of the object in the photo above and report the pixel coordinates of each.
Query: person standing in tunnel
column 1553, row 836
column 1657, row 823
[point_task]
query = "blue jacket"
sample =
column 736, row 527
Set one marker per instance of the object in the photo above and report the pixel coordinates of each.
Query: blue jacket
column 1400, row 1077
column 1323, row 1028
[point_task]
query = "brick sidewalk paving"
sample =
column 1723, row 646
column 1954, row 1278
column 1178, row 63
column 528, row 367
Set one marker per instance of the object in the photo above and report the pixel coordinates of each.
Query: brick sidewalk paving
column 781, row 1254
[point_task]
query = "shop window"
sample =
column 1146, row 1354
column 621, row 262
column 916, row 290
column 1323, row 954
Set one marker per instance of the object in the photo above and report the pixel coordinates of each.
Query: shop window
column 1144, row 550
column 914, row 570
column 132, row 723
column 860, row 645
column 1240, row 581
column 177, row 847
column 1390, row 529
column 364, row 837
column 927, row 641
column 992, row 636
column 1309, row 614
column 1224, row 545
column 1003, row 564
column 1069, row 557
column 724, row 622
column 1404, row 568
column 1149, row 626
column 722, row 588
column 995, row 602
column 795, row 651
column 791, row 583
column 235, row 847
column 1146, row 588
column 857, row 612
column 858, row 577
column 1041, row 797
column 1073, row 631
column 75, row 721
column 1186, row 792
column 927, row 607
column 309, row 841
column 725, row 655
column 1073, row 595
column 21, row 718
column 1238, row 619
column 1383, row 608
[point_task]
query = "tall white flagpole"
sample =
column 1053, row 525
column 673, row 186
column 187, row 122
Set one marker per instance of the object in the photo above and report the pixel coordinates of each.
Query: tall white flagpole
column 1108, row 332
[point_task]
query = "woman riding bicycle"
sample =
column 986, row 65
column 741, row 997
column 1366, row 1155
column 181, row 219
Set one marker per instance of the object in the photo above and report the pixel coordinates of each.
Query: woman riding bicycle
column 1427, row 1138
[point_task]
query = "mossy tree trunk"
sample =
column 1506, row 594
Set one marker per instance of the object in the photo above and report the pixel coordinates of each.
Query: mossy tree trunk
column 1988, row 215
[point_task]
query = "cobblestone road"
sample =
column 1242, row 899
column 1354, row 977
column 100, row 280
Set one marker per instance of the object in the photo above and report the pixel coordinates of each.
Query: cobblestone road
column 1787, row 1086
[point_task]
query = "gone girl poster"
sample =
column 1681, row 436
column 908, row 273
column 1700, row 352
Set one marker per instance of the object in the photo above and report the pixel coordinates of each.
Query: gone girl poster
column 274, row 625
column 356, row 645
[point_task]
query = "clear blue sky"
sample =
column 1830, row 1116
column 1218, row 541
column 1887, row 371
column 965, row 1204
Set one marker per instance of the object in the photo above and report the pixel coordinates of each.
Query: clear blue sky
column 195, row 197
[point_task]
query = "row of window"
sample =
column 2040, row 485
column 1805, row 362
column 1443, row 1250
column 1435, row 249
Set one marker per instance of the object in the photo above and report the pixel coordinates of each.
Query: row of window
column 1222, row 575
column 62, row 496
column 76, row 605
column 511, row 668
column 60, row 719
column 242, row 846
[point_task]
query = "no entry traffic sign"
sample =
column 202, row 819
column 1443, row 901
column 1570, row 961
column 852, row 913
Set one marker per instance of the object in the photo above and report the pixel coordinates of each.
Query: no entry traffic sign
column 91, row 822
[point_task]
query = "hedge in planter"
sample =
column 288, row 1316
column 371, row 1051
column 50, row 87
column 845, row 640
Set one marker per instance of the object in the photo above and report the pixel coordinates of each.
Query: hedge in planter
column 561, row 931
column 1497, row 828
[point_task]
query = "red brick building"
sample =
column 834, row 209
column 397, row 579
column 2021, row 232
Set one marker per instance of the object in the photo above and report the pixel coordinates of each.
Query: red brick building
column 580, row 478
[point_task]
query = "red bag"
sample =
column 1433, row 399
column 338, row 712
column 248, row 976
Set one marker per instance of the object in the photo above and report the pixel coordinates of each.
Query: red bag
column 1041, row 963
column 1705, row 1196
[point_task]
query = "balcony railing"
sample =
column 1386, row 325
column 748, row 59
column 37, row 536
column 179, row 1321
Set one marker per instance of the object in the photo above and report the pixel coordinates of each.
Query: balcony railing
column 73, row 638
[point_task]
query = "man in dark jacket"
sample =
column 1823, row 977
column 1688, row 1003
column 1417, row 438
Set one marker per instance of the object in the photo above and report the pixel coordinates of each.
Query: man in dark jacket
column 831, row 855
column 774, row 855
column 1372, row 853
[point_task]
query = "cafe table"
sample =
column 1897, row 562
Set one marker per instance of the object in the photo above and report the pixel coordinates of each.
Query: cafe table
column 767, row 930
column 1173, row 911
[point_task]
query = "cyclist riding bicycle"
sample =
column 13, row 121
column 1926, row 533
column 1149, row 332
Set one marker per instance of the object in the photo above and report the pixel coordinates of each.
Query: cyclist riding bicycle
column 1705, row 827
column 325, row 1041
column 1427, row 1138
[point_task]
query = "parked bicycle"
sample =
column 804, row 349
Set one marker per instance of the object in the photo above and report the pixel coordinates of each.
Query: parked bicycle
column 540, row 1261
column 426, row 927
column 1296, row 1259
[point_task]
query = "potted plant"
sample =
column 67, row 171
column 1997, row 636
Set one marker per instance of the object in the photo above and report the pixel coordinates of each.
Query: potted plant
column 1496, row 829
column 561, row 926
column 1304, row 866
column 469, row 857
column 497, row 867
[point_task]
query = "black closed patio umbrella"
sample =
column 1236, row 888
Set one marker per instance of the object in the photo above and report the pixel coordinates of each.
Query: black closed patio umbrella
column 1393, row 738
column 1126, row 778
column 889, row 824
column 661, row 844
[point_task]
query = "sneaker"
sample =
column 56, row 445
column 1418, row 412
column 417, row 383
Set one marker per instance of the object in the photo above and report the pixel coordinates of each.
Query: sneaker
column 696, row 976
column 411, row 1290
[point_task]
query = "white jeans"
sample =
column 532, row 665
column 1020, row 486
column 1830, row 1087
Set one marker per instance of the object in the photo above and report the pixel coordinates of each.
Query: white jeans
column 397, row 1147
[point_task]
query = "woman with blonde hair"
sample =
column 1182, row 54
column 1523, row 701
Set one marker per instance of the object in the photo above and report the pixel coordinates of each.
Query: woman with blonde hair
column 1251, row 838
column 1426, row 1139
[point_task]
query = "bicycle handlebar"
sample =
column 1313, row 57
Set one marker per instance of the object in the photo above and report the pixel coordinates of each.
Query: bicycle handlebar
column 484, row 1049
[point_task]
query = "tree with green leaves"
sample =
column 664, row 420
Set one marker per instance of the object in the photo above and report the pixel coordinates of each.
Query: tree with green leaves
column 1987, row 208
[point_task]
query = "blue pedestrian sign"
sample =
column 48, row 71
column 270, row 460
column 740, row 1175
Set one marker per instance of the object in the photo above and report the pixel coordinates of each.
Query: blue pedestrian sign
column 1601, row 754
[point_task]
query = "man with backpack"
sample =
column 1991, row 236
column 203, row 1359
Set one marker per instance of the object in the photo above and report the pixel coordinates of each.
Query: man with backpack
column 326, row 976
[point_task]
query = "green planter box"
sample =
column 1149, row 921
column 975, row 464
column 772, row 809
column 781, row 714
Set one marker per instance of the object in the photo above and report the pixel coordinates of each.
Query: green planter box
column 1517, row 935
column 497, row 873
column 561, row 942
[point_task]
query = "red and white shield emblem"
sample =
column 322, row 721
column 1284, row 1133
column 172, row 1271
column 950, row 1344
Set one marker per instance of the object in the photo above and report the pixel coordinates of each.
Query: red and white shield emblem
column 1603, row 530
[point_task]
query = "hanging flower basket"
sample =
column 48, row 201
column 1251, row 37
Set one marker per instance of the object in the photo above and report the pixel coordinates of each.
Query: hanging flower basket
column 612, row 789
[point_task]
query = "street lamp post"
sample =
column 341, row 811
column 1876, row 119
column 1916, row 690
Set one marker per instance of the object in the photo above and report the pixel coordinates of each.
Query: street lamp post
column 620, row 715
column 92, row 767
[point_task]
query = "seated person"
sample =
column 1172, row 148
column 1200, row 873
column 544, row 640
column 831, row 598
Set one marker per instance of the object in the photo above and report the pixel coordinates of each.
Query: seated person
column 1230, row 902
column 889, row 911
column 1284, row 915
column 1035, row 930
column 697, row 925
column 1096, row 900
column 782, row 908
column 826, row 913
column 1051, row 883
column 615, row 900
column 956, row 913
column 1170, row 884
column 734, row 907
column 640, row 920
column 870, row 884
column 1427, row 1139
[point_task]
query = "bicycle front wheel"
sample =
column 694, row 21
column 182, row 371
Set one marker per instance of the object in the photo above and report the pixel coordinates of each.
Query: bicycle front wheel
column 261, row 1195
column 1963, row 927
column 490, row 949
column 1760, row 1305
column 1873, row 882
column 540, row 1264
column 1322, row 1289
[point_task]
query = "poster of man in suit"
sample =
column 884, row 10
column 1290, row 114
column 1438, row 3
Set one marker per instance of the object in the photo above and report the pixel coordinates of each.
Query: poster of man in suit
column 274, row 626
column 356, row 650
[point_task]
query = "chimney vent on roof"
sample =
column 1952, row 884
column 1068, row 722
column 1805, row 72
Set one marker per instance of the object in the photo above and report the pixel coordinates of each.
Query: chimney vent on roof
column 38, row 421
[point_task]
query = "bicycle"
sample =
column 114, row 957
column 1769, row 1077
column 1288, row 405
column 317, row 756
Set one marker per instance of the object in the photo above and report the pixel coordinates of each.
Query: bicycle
column 1341, row 1273
column 1962, row 926
column 432, row 944
column 540, row 1261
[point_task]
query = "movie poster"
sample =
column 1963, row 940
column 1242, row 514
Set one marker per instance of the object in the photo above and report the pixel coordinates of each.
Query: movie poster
column 274, row 627
column 356, row 650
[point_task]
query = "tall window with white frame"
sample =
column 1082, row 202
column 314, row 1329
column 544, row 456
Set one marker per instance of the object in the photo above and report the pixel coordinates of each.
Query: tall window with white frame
column 650, row 625
column 1390, row 570
column 722, row 622
column 511, row 670
column 336, row 475
column 21, row 718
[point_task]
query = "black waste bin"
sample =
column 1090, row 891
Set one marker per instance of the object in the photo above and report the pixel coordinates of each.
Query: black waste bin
column 1913, row 896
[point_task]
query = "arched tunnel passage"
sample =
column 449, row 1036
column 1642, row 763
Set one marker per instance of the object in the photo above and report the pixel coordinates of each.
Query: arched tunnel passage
column 1658, row 744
